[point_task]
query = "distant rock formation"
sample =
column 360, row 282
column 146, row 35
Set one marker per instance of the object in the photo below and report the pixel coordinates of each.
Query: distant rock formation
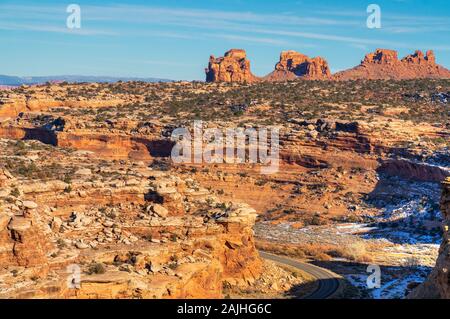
column 419, row 59
column 385, row 64
column 293, row 65
column 233, row 67
column 381, row 64
column 381, row 56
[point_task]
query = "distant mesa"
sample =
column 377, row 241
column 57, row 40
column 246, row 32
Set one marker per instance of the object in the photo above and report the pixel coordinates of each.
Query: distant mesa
column 385, row 64
column 381, row 64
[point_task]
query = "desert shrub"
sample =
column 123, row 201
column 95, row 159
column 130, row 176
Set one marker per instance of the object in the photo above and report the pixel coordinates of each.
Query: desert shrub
column 317, row 251
column 323, row 257
column 354, row 252
column 96, row 268
column 15, row 192
column 411, row 262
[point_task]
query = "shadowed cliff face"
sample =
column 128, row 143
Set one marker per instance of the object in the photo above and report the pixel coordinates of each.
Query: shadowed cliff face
column 107, row 145
column 441, row 273
column 438, row 283
column 413, row 171
column 443, row 262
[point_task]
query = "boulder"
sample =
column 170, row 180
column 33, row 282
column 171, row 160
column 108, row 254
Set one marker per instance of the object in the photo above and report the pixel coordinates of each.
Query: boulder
column 19, row 224
column 29, row 204
column 7, row 174
column 56, row 223
column 160, row 210
column 4, row 221
column 83, row 171
column 81, row 245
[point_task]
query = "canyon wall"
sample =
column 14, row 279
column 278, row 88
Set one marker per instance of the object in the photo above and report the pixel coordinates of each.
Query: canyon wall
column 108, row 145
column 154, row 249
column 442, row 269
column 438, row 283
column 18, row 104
column 413, row 170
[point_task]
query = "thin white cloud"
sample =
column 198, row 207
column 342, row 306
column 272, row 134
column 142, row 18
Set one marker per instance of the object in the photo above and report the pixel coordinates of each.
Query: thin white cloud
column 53, row 29
column 322, row 36
column 240, row 38
column 192, row 23
column 150, row 14
column 361, row 47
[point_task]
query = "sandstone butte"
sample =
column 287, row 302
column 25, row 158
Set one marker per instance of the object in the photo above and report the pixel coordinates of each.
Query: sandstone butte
column 381, row 64
column 233, row 67
column 293, row 65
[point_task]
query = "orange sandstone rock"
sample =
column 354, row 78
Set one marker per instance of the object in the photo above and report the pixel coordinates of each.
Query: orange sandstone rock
column 25, row 243
column 233, row 67
column 381, row 56
column 293, row 64
column 384, row 64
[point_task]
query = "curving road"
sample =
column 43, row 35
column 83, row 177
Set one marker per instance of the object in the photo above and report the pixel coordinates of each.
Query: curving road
column 328, row 281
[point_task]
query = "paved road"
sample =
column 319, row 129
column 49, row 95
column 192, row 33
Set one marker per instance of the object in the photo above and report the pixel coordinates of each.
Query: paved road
column 328, row 281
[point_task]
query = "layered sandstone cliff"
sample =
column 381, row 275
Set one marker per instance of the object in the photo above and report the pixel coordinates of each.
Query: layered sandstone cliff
column 141, row 234
column 16, row 104
column 385, row 64
column 293, row 65
column 233, row 67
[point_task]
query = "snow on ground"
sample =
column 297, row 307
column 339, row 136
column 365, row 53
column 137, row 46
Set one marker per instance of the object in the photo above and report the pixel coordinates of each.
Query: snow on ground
column 411, row 219
column 407, row 226
column 394, row 283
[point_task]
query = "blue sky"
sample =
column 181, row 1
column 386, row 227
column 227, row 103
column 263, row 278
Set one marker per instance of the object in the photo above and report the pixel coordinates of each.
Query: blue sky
column 173, row 39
